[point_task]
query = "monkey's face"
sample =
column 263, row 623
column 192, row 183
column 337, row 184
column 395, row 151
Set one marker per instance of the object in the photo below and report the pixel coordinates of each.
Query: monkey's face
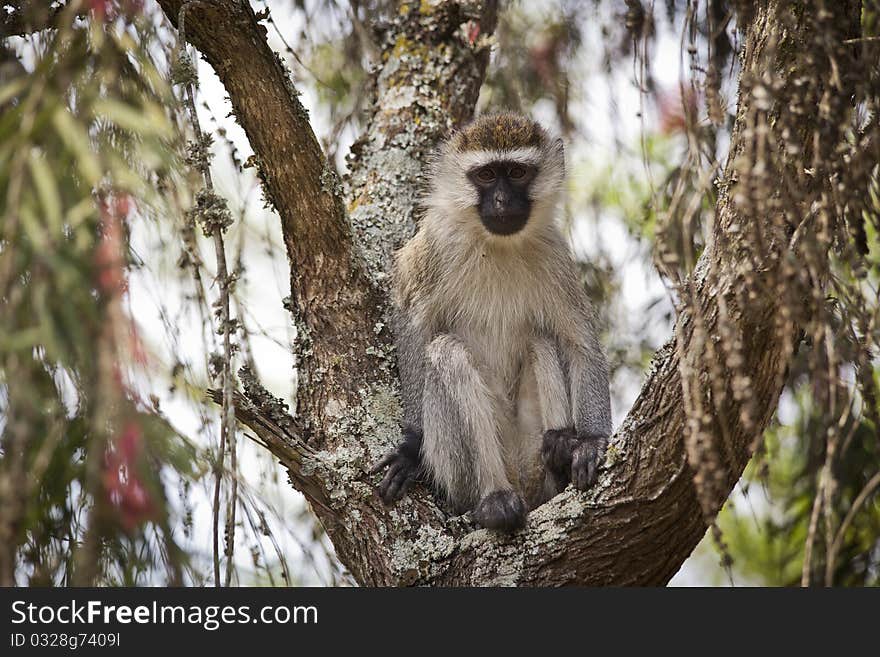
column 503, row 202
column 499, row 178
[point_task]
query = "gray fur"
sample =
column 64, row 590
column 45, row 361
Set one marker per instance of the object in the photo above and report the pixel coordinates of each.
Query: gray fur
column 495, row 337
column 464, row 421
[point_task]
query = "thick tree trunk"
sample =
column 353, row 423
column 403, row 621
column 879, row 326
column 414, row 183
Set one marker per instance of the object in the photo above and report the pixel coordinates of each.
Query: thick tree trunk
column 644, row 517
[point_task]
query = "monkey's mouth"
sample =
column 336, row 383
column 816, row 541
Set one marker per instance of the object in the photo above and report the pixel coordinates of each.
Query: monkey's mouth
column 504, row 223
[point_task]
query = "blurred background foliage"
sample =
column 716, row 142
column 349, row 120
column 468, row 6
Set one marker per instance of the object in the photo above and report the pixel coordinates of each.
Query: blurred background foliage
column 112, row 467
column 87, row 147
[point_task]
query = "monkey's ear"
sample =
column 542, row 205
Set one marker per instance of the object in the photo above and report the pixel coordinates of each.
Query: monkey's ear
column 559, row 147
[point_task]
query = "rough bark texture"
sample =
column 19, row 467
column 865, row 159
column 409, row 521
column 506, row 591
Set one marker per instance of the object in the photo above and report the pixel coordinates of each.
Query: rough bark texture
column 643, row 519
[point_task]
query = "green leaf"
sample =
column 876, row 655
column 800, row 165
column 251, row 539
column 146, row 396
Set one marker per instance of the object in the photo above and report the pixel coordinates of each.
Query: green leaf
column 47, row 190
column 148, row 120
column 33, row 228
column 12, row 89
column 75, row 137
column 80, row 213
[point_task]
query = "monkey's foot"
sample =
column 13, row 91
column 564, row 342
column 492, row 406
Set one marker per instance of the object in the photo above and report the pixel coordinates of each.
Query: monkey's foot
column 503, row 510
column 569, row 457
column 557, row 448
column 403, row 467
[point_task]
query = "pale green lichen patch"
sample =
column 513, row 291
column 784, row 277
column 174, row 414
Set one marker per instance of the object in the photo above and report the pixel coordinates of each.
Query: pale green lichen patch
column 309, row 466
column 612, row 455
column 332, row 185
column 337, row 472
column 361, row 490
column 384, row 217
column 426, row 55
column 499, row 558
column 383, row 407
column 335, row 408
column 273, row 407
column 422, row 557
column 360, row 433
column 381, row 419
column 298, row 108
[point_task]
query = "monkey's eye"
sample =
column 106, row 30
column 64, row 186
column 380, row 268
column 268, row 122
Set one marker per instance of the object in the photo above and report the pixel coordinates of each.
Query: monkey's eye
column 517, row 172
column 486, row 175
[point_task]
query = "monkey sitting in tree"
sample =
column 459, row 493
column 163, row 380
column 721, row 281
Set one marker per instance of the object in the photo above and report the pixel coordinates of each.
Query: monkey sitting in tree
column 504, row 382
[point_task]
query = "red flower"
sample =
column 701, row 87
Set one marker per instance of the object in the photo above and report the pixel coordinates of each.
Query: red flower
column 122, row 204
column 109, row 258
column 100, row 7
column 109, row 10
column 136, row 346
column 677, row 108
column 473, row 31
column 122, row 483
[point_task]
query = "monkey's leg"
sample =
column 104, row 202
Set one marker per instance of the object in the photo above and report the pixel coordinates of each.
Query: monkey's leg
column 461, row 447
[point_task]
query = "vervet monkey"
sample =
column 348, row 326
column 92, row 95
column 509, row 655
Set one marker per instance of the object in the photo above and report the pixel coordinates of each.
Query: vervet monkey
column 503, row 379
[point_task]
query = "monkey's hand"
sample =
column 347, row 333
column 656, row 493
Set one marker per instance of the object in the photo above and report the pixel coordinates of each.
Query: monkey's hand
column 586, row 459
column 403, row 467
column 569, row 457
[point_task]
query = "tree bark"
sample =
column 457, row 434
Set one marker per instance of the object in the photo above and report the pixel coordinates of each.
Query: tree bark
column 644, row 517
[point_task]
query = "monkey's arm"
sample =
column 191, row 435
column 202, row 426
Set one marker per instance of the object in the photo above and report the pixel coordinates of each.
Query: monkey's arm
column 574, row 453
column 411, row 343
column 591, row 407
column 404, row 461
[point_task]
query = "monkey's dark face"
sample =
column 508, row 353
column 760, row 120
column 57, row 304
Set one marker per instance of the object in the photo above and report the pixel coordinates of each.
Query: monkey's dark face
column 504, row 204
